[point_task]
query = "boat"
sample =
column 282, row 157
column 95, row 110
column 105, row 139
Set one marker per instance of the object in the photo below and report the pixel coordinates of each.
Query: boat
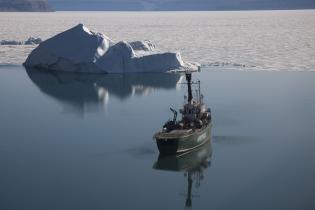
column 194, row 128
column 184, row 162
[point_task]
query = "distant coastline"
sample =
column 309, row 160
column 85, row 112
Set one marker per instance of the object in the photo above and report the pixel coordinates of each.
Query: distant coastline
column 240, row 10
column 152, row 5
column 177, row 5
column 25, row 6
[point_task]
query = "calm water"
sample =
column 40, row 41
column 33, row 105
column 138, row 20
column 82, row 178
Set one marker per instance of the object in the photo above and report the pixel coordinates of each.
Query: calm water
column 85, row 142
column 251, row 40
column 70, row 141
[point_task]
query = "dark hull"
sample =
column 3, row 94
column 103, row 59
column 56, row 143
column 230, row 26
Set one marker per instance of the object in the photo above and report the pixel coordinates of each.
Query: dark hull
column 188, row 161
column 174, row 144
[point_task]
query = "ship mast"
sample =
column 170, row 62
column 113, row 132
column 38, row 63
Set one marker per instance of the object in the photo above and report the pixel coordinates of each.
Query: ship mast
column 199, row 93
column 188, row 203
column 188, row 78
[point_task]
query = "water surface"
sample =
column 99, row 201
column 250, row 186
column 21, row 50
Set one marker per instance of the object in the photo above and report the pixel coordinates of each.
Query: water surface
column 69, row 141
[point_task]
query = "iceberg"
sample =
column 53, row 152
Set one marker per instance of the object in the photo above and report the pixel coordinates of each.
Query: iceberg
column 76, row 49
column 33, row 41
column 81, row 50
column 10, row 42
column 123, row 58
column 30, row 41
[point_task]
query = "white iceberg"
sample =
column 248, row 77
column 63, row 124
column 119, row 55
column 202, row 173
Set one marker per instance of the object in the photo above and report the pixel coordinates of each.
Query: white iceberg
column 11, row 42
column 81, row 50
column 33, row 41
column 29, row 41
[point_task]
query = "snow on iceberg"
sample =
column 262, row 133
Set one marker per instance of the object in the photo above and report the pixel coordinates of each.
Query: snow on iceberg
column 146, row 45
column 81, row 50
column 122, row 58
column 76, row 49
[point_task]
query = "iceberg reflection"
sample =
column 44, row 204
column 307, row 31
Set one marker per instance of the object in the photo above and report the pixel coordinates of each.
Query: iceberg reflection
column 192, row 164
column 81, row 90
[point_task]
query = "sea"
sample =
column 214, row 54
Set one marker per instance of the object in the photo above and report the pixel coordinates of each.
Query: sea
column 84, row 141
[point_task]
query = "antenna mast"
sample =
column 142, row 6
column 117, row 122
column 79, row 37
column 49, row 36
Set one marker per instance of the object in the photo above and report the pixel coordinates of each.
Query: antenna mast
column 188, row 78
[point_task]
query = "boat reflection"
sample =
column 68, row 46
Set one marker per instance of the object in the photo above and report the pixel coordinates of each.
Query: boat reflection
column 83, row 90
column 192, row 164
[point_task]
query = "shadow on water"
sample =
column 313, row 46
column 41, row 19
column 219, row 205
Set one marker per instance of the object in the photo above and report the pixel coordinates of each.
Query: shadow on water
column 232, row 140
column 192, row 164
column 141, row 152
column 77, row 89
